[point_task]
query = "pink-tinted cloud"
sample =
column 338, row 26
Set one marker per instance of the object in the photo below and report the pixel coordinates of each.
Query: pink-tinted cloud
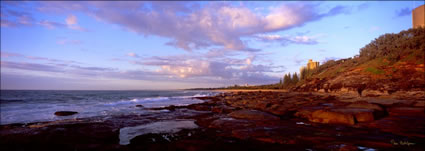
column 191, row 26
column 9, row 54
column 132, row 54
column 286, row 39
column 72, row 23
column 231, row 69
column 10, row 18
column 5, row 54
column 68, row 41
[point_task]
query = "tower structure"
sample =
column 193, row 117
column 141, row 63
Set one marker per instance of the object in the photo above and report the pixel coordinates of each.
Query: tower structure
column 418, row 17
column 310, row 65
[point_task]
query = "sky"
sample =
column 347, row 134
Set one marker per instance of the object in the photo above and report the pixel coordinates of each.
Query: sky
column 140, row 45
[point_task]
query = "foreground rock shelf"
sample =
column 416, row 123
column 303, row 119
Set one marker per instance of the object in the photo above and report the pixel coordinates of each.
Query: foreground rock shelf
column 240, row 121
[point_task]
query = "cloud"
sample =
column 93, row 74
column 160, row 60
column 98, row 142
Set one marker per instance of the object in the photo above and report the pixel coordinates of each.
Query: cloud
column 330, row 58
column 403, row 12
column 68, row 42
column 218, row 69
column 191, row 26
column 51, row 24
column 71, row 20
column 132, row 54
column 11, row 18
column 30, row 66
column 72, row 23
column 284, row 40
column 5, row 54
column 9, row 54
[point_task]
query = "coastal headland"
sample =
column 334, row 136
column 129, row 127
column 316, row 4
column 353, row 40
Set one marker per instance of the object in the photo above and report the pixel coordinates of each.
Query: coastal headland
column 238, row 120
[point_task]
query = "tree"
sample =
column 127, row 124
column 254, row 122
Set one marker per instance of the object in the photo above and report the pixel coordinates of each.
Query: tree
column 295, row 78
column 286, row 80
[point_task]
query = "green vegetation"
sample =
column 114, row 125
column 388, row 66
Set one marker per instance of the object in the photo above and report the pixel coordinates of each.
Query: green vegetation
column 374, row 70
column 382, row 56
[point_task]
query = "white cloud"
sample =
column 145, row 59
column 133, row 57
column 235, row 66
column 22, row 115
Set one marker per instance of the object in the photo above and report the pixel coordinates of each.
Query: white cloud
column 191, row 26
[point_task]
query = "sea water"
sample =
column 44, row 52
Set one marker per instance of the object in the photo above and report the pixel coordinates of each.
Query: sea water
column 26, row 106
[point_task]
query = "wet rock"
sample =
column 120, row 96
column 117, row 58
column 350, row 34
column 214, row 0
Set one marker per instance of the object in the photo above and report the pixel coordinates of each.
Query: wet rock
column 199, row 107
column 128, row 133
column 230, row 123
column 253, row 115
column 306, row 112
column 378, row 111
column 222, row 109
column 342, row 147
column 406, row 111
column 361, row 115
column 332, row 117
column 65, row 113
column 278, row 109
column 419, row 104
column 139, row 105
column 365, row 105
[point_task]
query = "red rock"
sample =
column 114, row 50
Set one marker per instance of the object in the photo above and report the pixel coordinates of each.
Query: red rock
column 361, row 115
column 222, row 109
column 253, row 115
column 331, row 117
column 306, row 112
column 365, row 105
column 407, row 111
column 199, row 107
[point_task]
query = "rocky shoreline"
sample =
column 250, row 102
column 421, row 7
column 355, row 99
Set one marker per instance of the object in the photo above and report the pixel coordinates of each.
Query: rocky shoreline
column 257, row 120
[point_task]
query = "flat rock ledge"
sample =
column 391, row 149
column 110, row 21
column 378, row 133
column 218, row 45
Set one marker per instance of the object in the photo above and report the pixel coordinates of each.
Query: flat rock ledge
column 65, row 113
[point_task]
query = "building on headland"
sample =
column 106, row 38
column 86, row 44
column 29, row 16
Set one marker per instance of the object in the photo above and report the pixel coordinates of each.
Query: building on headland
column 418, row 17
column 310, row 65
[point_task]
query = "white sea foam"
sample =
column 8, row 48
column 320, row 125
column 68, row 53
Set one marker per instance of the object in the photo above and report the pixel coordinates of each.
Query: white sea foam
column 102, row 104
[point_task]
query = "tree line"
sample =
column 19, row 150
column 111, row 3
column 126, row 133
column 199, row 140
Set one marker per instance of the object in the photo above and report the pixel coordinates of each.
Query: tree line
column 290, row 80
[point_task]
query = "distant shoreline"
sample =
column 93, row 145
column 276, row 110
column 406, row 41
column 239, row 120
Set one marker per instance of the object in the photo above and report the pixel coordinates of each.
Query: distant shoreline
column 249, row 90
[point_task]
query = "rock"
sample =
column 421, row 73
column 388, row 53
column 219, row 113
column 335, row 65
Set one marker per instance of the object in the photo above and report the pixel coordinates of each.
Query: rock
column 230, row 123
column 253, row 115
column 332, row 117
column 419, row 104
column 199, row 107
column 222, row 109
column 139, row 105
column 306, row 112
column 278, row 109
column 365, row 105
column 128, row 133
column 407, row 111
column 65, row 113
column 361, row 115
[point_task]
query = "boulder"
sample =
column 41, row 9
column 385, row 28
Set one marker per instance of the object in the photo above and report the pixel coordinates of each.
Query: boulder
column 332, row 117
column 360, row 115
column 306, row 112
column 253, row 115
column 65, row 113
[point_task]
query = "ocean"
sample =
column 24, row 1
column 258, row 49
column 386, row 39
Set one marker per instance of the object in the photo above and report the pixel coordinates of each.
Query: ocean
column 27, row 106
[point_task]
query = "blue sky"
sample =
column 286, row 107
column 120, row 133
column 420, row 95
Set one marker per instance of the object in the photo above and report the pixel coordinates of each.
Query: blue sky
column 172, row 45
